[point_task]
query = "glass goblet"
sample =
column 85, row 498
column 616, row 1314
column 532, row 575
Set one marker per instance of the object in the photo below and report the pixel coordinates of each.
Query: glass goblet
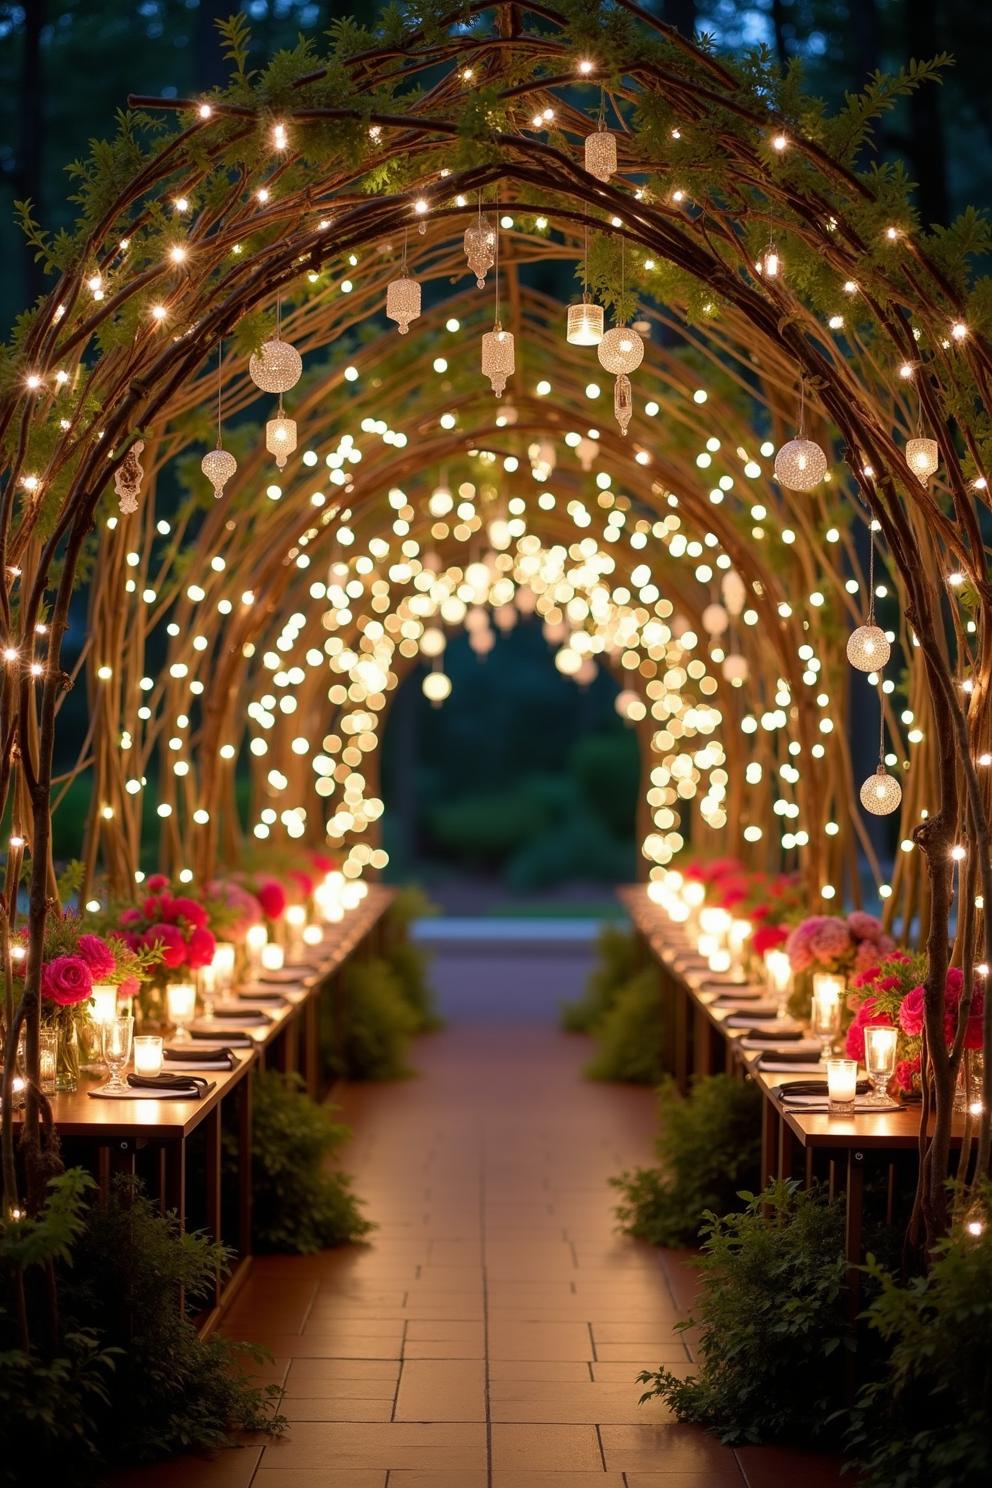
column 880, row 1060
column 115, row 1047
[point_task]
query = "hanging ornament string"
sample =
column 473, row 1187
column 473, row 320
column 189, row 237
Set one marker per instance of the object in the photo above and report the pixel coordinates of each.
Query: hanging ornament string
column 801, row 430
column 871, row 568
column 496, row 258
column 220, row 384
column 218, row 464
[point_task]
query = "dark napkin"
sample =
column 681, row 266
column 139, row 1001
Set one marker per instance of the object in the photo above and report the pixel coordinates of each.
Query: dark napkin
column 255, row 993
column 775, row 1036
column 198, row 1056
column 787, row 1056
column 235, row 1038
column 814, row 1087
column 243, row 1015
column 190, row 1087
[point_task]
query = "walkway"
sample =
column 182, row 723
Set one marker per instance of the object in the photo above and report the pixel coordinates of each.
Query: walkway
column 490, row 1335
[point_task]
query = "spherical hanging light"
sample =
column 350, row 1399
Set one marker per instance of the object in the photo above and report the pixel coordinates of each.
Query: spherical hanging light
column 276, row 367
column 432, row 642
column 218, row 465
column 881, row 793
column 868, row 648
column 735, row 669
column 715, row 619
column 403, row 302
column 922, row 457
column 480, row 248
column 440, row 502
column 800, row 465
column 601, row 154
column 584, row 324
column 497, row 357
column 734, row 591
column 482, row 641
column 621, row 350
column 436, row 686
column 280, row 438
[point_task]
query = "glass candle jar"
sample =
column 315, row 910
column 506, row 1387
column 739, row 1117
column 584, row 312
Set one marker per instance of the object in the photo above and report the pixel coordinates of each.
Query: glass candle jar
column 148, row 1055
column 827, row 993
column 778, row 970
column 880, row 1060
column 272, row 956
column 180, row 1005
column 842, row 1083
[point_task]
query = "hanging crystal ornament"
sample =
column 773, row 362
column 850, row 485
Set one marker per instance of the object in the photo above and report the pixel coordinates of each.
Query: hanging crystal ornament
column 276, row 366
column 881, row 793
column 584, row 324
column 800, row 464
column 868, row 647
column 219, row 465
column 403, row 298
column 621, row 351
column 922, row 457
column 128, row 477
column 480, row 246
column 601, row 148
column 280, row 437
column 497, row 345
column 623, row 403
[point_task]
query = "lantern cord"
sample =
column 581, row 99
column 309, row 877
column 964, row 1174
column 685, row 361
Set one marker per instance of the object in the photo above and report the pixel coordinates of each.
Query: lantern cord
column 220, row 384
column 871, row 568
column 801, row 431
column 496, row 258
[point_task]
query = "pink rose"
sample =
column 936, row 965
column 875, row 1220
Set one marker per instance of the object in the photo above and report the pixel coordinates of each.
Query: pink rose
column 272, row 897
column 66, row 980
column 190, row 911
column 200, row 948
column 129, row 917
column 905, row 1070
column 157, row 882
column 170, row 940
column 97, row 955
column 863, row 926
column 911, row 1012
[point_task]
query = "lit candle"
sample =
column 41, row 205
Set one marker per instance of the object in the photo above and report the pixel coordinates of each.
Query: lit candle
column 312, row 935
column 256, row 937
column 296, row 916
column 827, row 991
column 180, row 1002
column 103, row 1004
column 778, row 969
column 148, row 1054
column 272, row 956
column 740, row 934
column 842, row 1082
column 47, row 1047
column 223, row 964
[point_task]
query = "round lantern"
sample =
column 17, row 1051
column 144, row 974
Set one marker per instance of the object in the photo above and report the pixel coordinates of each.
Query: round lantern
column 276, row 367
column 280, row 438
column 219, row 465
column 585, row 324
column 800, row 465
column 734, row 591
column 867, row 648
column 621, row 350
column 922, row 457
column 735, row 669
column 881, row 793
column 432, row 642
column 715, row 619
column 601, row 154
column 436, row 686
column 403, row 302
column 497, row 358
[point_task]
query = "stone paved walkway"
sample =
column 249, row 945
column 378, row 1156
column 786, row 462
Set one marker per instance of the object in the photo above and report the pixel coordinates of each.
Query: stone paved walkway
column 490, row 1334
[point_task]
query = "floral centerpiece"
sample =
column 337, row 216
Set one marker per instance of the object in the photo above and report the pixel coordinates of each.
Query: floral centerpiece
column 773, row 902
column 176, row 926
column 846, row 946
column 893, row 994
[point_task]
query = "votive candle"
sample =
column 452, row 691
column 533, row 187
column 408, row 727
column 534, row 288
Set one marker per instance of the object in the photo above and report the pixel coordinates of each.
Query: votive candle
column 273, row 956
column 842, row 1083
column 148, row 1055
column 225, row 955
column 256, row 937
column 103, row 1005
column 180, row 1002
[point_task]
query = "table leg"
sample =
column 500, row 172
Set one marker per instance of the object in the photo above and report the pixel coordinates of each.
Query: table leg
column 212, row 1177
column 174, row 1179
column 771, row 1120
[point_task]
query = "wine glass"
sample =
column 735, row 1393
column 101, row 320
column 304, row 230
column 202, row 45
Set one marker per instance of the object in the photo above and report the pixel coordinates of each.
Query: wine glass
column 880, row 1060
column 115, row 1047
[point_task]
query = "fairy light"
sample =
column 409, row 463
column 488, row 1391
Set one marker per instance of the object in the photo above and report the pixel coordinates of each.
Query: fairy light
column 959, row 331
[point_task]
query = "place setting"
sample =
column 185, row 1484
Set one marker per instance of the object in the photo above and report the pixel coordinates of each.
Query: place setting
column 150, row 1079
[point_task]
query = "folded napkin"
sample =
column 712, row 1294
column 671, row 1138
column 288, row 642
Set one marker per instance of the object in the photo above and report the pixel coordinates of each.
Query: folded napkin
column 184, row 1058
column 775, row 1035
column 189, row 1087
column 817, row 1106
column 781, row 1064
column 242, row 1014
column 813, row 1092
column 286, row 974
column 744, row 1017
column 254, row 992
column 805, row 1052
column 234, row 1038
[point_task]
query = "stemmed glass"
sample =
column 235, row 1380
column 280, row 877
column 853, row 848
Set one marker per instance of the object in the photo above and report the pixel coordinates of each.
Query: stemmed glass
column 880, row 1060
column 115, row 1047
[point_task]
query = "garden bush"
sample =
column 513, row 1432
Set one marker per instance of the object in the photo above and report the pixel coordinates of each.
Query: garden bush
column 617, row 959
column 709, row 1147
column 365, row 1035
column 408, row 960
column 298, row 1204
column 633, row 1034
column 775, row 1320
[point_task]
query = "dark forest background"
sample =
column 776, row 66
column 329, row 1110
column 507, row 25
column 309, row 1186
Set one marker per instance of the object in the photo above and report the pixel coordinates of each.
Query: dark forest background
column 521, row 776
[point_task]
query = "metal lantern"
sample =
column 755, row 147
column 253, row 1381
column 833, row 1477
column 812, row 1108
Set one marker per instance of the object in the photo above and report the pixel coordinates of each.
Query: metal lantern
column 601, row 154
column 715, row 619
column 623, row 402
column 276, row 368
column 867, row 648
column 403, row 302
column 585, row 324
column 497, row 357
column 800, row 465
column 480, row 248
column 218, row 466
column 922, row 457
column 280, row 438
column 621, row 350
column 881, row 793
column 735, row 669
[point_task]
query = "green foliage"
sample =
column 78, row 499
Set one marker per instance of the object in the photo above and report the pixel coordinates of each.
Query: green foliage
column 634, row 1034
column 367, row 1031
column 172, row 1391
column 298, row 1204
column 709, row 1146
column 775, row 1321
column 618, row 956
column 925, row 1419
column 408, row 961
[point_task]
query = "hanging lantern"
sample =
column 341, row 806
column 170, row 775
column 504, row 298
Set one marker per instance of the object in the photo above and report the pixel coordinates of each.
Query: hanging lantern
column 623, row 402
column 735, row 669
column 280, row 438
column 432, row 642
column 440, row 502
column 436, row 686
column 480, row 248
column 218, row 465
column 734, row 591
column 922, row 457
column 800, row 465
column 867, row 648
column 276, row 368
column 621, row 350
column 586, row 450
column 128, row 477
column 771, row 263
column 881, row 793
column 403, row 302
column 482, row 641
column 584, row 324
column 601, row 154
column 715, row 619
column 497, row 357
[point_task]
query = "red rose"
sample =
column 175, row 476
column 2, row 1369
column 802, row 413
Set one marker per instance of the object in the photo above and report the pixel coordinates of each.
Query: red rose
column 768, row 938
column 171, row 942
column 150, row 908
column 157, row 883
column 272, row 897
column 905, row 1070
column 129, row 987
column 200, row 948
column 129, row 917
column 66, row 980
column 303, row 880
column 322, row 862
column 189, row 910
column 97, row 955
column 911, row 1012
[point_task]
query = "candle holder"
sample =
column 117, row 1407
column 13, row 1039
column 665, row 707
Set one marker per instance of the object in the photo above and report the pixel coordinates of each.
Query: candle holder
column 778, row 969
column 272, row 956
column 842, row 1086
column 256, row 937
column 148, row 1054
column 48, row 1043
column 827, row 992
column 180, row 1003
column 880, row 1060
column 115, row 1044
column 223, row 964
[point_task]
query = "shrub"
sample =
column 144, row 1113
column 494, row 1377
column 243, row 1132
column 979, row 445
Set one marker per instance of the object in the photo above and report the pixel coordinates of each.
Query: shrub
column 298, row 1206
column 365, row 1037
column 926, row 1418
column 407, row 960
column 775, row 1319
column 172, row 1391
column 633, row 1034
column 618, row 957
column 709, row 1145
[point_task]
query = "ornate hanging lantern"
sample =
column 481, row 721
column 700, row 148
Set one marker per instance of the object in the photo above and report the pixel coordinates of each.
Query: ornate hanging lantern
column 601, row 154
column 280, row 437
column 480, row 248
column 735, row 669
column 219, row 466
column 403, row 302
column 868, row 648
column 497, row 357
column 881, row 793
column 584, row 324
column 800, row 465
column 922, row 457
column 621, row 350
column 276, row 367
column 128, row 477
column 623, row 402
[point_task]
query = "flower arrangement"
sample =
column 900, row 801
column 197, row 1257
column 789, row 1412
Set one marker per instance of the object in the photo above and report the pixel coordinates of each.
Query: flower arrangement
column 178, row 924
column 844, row 946
column 771, row 901
column 893, row 994
column 233, row 909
